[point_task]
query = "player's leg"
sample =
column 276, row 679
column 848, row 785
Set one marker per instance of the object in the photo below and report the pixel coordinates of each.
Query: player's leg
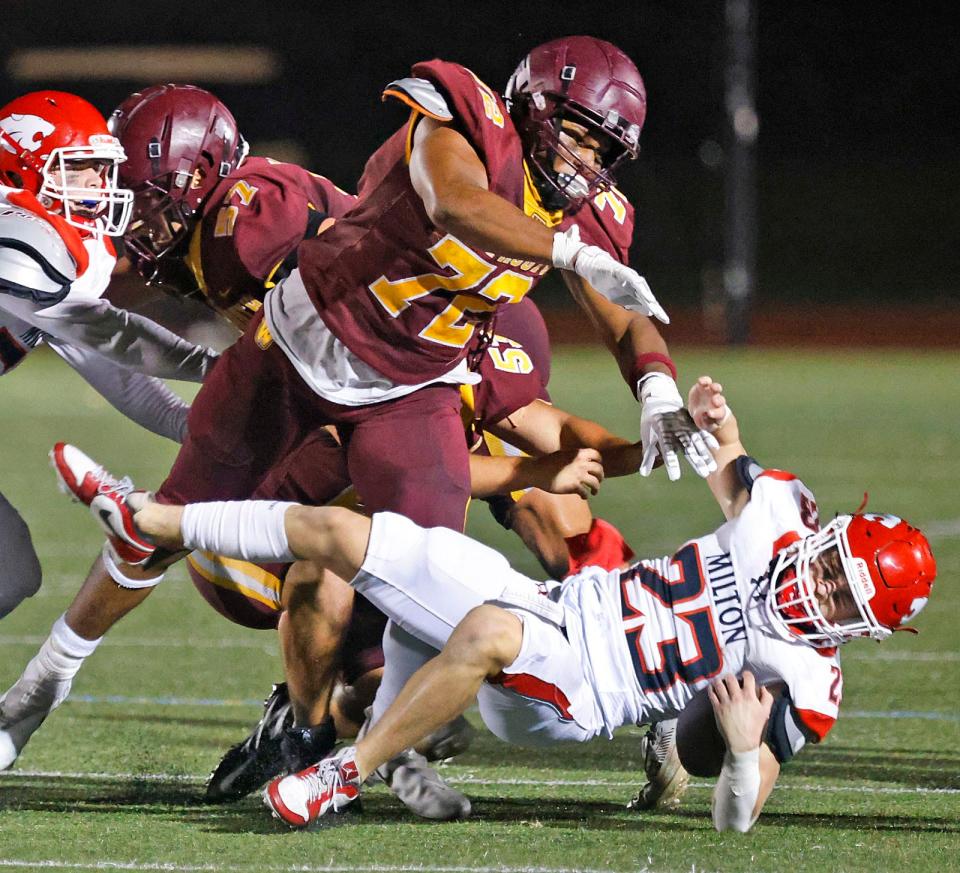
column 410, row 457
column 237, row 425
column 483, row 643
column 21, row 568
column 531, row 686
column 317, row 607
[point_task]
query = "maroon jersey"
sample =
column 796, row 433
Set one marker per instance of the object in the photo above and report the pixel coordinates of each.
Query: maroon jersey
column 515, row 370
column 404, row 296
column 251, row 225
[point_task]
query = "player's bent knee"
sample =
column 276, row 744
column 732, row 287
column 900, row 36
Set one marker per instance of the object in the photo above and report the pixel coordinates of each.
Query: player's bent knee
column 488, row 636
column 331, row 536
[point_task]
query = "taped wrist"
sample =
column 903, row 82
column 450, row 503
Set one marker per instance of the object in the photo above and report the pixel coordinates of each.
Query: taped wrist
column 124, row 581
column 251, row 530
column 566, row 247
column 737, row 791
column 659, row 387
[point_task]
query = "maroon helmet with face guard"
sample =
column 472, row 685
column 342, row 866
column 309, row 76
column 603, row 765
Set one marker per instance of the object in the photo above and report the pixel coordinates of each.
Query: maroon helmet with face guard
column 180, row 142
column 587, row 81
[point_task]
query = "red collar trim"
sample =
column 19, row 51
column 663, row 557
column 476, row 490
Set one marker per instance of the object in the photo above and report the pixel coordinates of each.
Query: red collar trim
column 69, row 234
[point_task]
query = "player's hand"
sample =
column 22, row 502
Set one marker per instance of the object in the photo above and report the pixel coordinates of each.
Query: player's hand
column 708, row 407
column 577, row 471
column 667, row 429
column 617, row 282
column 741, row 712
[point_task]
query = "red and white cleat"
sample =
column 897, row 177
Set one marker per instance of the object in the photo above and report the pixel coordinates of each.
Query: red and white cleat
column 89, row 483
column 327, row 786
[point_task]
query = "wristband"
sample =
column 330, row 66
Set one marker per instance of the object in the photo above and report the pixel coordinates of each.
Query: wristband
column 636, row 372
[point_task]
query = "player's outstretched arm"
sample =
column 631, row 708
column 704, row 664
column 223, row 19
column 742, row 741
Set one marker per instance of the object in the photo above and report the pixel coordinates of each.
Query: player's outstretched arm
column 709, row 410
column 749, row 771
column 576, row 471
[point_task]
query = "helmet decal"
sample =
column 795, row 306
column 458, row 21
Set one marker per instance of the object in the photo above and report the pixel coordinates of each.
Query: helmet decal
column 27, row 131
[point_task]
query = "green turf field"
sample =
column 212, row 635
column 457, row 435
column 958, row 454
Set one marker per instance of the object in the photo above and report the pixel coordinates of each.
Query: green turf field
column 112, row 780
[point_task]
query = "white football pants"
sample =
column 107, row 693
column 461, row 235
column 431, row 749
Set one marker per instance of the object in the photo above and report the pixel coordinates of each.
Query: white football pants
column 426, row 581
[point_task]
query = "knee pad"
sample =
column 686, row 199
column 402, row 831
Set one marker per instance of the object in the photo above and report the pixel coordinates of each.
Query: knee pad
column 124, row 581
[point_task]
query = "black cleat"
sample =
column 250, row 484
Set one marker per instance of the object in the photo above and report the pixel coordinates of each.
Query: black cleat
column 303, row 746
column 252, row 763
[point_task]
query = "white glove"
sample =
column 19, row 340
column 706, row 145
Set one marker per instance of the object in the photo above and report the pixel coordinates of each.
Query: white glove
column 617, row 282
column 666, row 428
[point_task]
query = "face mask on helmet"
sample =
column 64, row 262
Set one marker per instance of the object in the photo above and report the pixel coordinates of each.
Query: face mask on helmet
column 57, row 146
column 861, row 576
column 588, row 86
column 180, row 141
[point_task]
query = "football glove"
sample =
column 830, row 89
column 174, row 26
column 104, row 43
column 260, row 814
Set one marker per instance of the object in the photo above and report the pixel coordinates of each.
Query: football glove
column 617, row 282
column 667, row 428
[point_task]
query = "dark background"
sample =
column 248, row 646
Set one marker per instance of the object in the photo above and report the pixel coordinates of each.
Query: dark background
column 859, row 147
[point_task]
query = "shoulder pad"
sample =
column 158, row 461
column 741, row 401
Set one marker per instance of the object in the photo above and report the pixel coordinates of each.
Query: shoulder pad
column 34, row 261
column 748, row 470
column 420, row 94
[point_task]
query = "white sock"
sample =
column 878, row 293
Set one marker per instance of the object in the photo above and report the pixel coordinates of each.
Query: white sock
column 64, row 651
column 251, row 530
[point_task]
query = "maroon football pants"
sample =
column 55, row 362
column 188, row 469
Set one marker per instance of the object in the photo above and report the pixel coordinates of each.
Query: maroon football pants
column 253, row 411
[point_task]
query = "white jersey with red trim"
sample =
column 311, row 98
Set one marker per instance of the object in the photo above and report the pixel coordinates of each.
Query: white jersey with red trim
column 655, row 634
column 38, row 273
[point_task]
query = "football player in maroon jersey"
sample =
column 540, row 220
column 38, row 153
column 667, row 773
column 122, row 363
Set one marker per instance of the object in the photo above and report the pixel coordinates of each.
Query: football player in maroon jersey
column 372, row 331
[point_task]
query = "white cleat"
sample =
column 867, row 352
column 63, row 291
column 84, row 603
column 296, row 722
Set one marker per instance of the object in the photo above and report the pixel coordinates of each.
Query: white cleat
column 666, row 777
column 24, row 706
column 448, row 741
column 421, row 789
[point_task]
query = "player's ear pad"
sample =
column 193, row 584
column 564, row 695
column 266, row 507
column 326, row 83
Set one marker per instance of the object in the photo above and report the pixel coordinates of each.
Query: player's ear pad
column 699, row 743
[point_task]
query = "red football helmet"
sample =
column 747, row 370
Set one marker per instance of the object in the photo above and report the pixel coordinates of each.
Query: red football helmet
column 46, row 139
column 588, row 81
column 180, row 141
column 889, row 569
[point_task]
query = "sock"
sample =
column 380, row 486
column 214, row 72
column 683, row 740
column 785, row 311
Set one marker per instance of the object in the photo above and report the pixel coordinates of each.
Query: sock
column 64, row 651
column 251, row 530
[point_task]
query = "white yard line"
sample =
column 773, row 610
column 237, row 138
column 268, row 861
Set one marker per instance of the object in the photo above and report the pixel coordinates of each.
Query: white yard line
column 126, row 700
column 267, row 643
column 296, row 868
column 477, row 780
column 943, row 528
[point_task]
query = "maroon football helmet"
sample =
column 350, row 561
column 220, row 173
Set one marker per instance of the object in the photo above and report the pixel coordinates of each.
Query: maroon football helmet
column 180, row 142
column 587, row 81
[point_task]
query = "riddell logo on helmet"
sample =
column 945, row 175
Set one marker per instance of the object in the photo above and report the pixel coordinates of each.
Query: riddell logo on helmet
column 103, row 139
column 863, row 577
column 28, row 131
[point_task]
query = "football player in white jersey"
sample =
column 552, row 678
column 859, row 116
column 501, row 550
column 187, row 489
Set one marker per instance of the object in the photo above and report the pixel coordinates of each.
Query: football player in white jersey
column 764, row 600
column 59, row 205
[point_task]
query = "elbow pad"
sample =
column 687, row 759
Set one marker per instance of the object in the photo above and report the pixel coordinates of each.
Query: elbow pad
column 737, row 791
